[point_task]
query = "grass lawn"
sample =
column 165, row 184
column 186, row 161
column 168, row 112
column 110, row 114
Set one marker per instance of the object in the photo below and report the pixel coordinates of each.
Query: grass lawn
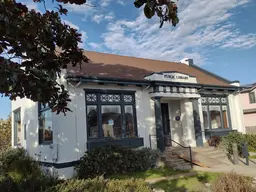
column 194, row 183
column 149, row 174
column 252, row 157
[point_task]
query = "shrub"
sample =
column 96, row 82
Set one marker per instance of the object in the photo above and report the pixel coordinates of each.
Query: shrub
column 251, row 140
column 100, row 185
column 231, row 182
column 21, row 171
column 239, row 138
column 7, row 157
column 7, row 184
column 214, row 141
column 114, row 159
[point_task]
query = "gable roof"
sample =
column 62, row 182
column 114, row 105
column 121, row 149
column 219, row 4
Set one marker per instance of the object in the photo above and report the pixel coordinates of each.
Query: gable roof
column 249, row 88
column 103, row 65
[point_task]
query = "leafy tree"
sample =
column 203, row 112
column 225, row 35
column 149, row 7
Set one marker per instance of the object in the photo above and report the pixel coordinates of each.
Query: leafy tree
column 5, row 133
column 35, row 46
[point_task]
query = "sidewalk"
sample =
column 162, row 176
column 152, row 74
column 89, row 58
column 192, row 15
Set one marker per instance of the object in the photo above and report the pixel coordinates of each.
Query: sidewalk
column 240, row 169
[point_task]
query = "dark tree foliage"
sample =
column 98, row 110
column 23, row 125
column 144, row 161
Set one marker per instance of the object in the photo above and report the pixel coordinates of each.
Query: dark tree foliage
column 166, row 10
column 34, row 47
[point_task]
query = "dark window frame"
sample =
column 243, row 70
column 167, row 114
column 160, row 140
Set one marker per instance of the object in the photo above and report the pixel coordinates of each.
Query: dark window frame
column 120, row 103
column 41, row 109
column 220, row 104
column 252, row 95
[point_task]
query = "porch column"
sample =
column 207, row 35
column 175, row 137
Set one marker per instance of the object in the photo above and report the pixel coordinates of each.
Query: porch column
column 159, row 124
column 187, row 120
column 197, row 123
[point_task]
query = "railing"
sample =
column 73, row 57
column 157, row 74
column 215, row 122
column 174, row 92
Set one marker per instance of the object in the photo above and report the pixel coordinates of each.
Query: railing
column 167, row 137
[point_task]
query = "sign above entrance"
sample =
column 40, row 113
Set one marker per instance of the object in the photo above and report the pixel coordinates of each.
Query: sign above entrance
column 171, row 76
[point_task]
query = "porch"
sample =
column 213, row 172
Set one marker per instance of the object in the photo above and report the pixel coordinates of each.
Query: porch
column 177, row 117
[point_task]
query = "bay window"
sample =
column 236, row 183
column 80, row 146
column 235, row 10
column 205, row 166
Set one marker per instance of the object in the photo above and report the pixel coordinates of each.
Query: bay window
column 45, row 124
column 215, row 112
column 110, row 114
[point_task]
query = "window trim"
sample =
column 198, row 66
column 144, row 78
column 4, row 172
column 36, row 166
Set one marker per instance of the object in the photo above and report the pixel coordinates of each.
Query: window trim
column 254, row 97
column 40, row 110
column 15, row 143
column 122, row 105
column 220, row 104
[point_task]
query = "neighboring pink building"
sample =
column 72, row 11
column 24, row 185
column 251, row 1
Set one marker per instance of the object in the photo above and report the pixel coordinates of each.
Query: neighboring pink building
column 248, row 102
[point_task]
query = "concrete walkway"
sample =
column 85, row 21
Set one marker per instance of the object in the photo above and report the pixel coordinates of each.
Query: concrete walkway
column 240, row 169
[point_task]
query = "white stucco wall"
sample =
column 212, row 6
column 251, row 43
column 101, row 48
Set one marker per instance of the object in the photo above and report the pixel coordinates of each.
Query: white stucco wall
column 176, row 126
column 187, row 120
column 236, row 113
column 201, row 119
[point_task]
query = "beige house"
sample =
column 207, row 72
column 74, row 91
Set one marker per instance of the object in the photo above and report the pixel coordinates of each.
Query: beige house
column 248, row 103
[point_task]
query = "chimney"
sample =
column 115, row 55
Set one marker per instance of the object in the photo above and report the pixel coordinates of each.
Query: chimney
column 187, row 61
column 235, row 83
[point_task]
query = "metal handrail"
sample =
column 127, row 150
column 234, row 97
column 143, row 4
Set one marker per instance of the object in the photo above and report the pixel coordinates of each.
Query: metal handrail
column 189, row 147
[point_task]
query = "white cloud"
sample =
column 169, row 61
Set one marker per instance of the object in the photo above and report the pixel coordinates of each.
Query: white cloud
column 99, row 18
column 70, row 24
column 105, row 3
column 121, row 2
column 87, row 10
column 83, row 38
column 94, row 45
column 31, row 5
column 203, row 25
column 110, row 16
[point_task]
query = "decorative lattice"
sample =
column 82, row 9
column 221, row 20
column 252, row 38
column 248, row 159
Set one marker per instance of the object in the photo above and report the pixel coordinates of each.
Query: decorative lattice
column 209, row 100
column 223, row 100
column 110, row 98
column 128, row 98
column 91, row 97
column 203, row 99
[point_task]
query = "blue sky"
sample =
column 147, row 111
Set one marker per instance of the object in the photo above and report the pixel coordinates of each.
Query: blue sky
column 219, row 35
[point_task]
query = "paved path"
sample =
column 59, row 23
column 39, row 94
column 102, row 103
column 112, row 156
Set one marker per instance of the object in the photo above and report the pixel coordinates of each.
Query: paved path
column 241, row 168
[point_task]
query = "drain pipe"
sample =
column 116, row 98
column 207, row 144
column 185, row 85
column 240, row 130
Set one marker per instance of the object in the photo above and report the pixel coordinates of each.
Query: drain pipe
column 75, row 101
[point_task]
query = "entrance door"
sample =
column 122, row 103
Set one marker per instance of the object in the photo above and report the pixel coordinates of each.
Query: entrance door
column 166, row 123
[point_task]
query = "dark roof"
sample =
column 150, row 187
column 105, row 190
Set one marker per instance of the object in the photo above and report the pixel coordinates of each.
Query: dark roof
column 103, row 65
column 249, row 87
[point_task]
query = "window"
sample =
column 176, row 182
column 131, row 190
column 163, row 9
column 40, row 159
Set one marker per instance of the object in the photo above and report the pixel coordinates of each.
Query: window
column 252, row 97
column 215, row 116
column 215, row 112
column 110, row 114
column 17, row 128
column 205, row 117
column 45, row 125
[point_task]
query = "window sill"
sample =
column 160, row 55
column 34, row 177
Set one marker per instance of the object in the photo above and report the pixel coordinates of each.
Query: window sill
column 45, row 143
column 125, row 142
column 218, row 130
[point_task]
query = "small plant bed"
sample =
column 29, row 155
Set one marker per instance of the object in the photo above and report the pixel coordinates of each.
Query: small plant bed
column 194, row 183
column 149, row 174
column 252, row 157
